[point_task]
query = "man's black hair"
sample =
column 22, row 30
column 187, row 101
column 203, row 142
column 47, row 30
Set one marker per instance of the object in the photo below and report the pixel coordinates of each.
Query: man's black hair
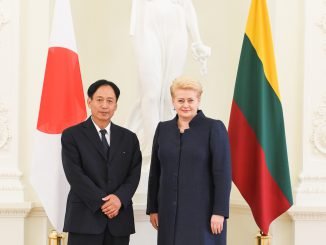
column 94, row 86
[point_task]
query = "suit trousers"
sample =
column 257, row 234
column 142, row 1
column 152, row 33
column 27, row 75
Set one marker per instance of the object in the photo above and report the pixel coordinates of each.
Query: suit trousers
column 105, row 238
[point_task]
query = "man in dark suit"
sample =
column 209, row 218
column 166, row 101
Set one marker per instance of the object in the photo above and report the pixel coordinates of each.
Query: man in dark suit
column 102, row 163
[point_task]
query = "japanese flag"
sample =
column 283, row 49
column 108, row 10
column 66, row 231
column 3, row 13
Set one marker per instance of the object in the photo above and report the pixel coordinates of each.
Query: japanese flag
column 62, row 105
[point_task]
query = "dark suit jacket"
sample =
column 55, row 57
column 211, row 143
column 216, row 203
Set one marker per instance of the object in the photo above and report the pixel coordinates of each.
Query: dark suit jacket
column 92, row 176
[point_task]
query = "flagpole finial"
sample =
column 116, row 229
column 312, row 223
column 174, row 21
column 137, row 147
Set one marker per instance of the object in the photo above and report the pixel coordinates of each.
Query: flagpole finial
column 262, row 233
column 263, row 239
column 56, row 238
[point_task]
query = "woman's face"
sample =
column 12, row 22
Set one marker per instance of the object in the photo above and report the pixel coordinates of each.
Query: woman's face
column 186, row 103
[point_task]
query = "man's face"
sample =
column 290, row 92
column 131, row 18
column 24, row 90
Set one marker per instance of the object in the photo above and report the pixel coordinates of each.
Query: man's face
column 102, row 105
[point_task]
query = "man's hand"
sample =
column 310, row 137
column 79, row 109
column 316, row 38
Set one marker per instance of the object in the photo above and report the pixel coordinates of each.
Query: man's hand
column 111, row 206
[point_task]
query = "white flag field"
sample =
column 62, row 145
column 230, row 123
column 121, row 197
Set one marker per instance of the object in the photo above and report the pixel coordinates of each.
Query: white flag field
column 62, row 105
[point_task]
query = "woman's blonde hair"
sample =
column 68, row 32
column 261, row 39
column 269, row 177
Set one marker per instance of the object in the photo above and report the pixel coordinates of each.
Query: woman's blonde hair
column 186, row 83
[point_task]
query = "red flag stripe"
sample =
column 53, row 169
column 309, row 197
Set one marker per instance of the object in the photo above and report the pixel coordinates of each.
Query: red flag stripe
column 62, row 102
column 258, row 187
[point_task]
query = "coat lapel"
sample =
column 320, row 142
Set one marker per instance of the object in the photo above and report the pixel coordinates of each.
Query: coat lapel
column 115, row 140
column 93, row 136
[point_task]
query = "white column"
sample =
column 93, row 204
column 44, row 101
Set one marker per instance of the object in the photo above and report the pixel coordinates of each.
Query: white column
column 13, row 209
column 309, row 212
column 10, row 186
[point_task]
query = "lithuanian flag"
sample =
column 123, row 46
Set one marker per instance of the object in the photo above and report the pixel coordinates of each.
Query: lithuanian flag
column 256, row 129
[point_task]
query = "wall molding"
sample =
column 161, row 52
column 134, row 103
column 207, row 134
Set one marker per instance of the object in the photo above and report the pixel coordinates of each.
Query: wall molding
column 311, row 191
column 308, row 213
column 37, row 210
column 15, row 210
column 321, row 24
column 312, row 183
column 318, row 138
column 237, row 207
column 5, row 134
column 10, row 180
column 11, row 188
column 10, row 173
column 4, row 19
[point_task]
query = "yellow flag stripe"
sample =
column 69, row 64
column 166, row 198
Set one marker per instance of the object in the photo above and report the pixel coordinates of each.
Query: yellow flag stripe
column 259, row 34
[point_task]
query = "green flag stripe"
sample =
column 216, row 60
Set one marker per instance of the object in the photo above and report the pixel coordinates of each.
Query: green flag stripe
column 263, row 111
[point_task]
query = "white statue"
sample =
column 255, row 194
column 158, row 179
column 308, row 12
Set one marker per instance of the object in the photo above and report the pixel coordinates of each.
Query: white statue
column 160, row 31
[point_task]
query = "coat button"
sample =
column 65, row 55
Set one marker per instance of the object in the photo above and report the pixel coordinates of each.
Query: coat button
column 174, row 203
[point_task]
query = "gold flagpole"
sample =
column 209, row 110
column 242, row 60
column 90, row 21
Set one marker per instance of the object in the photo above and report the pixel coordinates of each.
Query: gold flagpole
column 56, row 238
column 263, row 239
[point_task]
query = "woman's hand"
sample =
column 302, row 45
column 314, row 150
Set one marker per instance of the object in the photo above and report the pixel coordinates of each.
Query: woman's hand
column 154, row 220
column 217, row 224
